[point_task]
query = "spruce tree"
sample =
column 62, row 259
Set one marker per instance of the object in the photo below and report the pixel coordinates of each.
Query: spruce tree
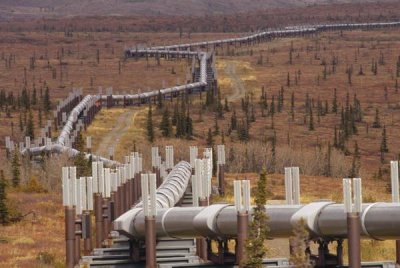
column 210, row 140
column 258, row 229
column 4, row 215
column 83, row 166
column 334, row 102
column 150, row 129
column 46, row 101
column 292, row 106
column 384, row 146
column 30, row 128
column 15, row 169
column 376, row 123
column 300, row 242
column 165, row 125
column 311, row 121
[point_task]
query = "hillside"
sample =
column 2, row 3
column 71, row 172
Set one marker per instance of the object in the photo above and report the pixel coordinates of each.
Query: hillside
column 57, row 8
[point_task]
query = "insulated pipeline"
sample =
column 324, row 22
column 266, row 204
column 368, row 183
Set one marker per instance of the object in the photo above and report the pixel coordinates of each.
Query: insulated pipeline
column 323, row 219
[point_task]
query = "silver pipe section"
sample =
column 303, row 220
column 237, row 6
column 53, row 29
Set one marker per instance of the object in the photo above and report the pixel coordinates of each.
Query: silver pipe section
column 168, row 195
column 174, row 186
column 57, row 148
column 73, row 118
column 323, row 220
column 288, row 31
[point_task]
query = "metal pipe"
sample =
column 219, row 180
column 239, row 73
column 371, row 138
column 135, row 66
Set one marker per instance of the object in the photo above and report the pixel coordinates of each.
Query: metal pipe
column 324, row 219
column 98, row 214
column 78, row 230
column 87, row 231
column 69, row 236
column 353, row 230
column 151, row 258
column 242, row 234
column 221, row 179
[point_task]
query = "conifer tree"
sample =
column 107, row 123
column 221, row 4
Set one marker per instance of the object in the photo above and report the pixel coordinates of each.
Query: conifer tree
column 83, row 166
column 376, row 123
column 165, row 125
column 334, row 103
column 292, row 106
column 311, row 121
column 46, row 101
column 384, row 147
column 150, row 129
column 233, row 120
column 15, row 169
column 4, row 212
column 258, row 229
column 210, row 140
column 300, row 258
column 189, row 126
column 30, row 128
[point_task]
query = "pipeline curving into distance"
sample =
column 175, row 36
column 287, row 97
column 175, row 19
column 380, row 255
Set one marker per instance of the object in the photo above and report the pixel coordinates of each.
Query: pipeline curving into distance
column 186, row 50
column 168, row 195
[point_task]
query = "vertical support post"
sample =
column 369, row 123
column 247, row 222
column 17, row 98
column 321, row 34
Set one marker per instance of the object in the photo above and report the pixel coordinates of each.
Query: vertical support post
column 288, row 186
column 193, row 150
column 156, row 164
column 221, row 169
column 353, row 219
column 339, row 252
column 394, row 168
column 242, row 204
column 70, row 236
column 295, row 185
column 87, row 219
column 148, row 186
column 98, row 214
column 106, row 202
column 169, row 157
column 69, row 213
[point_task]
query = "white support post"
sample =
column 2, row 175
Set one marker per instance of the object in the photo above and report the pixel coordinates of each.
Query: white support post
column 194, row 151
column 241, row 190
column 288, row 186
column 154, row 157
column 100, row 177
column 95, row 179
column 89, row 188
column 79, row 194
column 66, row 187
column 145, row 194
column 296, row 185
column 394, row 174
column 357, row 192
column 72, row 177
column 152, row 193
column 107, row 183
column 113, row 181
column 246, row 195
column 199, row 180
column 237, row 190
column 347, row 200
column 221, row 154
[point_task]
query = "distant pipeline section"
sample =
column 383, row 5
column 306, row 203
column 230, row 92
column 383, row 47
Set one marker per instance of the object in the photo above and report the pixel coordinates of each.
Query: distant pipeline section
column 184, row 51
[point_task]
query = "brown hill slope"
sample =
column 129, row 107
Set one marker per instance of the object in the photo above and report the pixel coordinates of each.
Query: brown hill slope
column 56, row 8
